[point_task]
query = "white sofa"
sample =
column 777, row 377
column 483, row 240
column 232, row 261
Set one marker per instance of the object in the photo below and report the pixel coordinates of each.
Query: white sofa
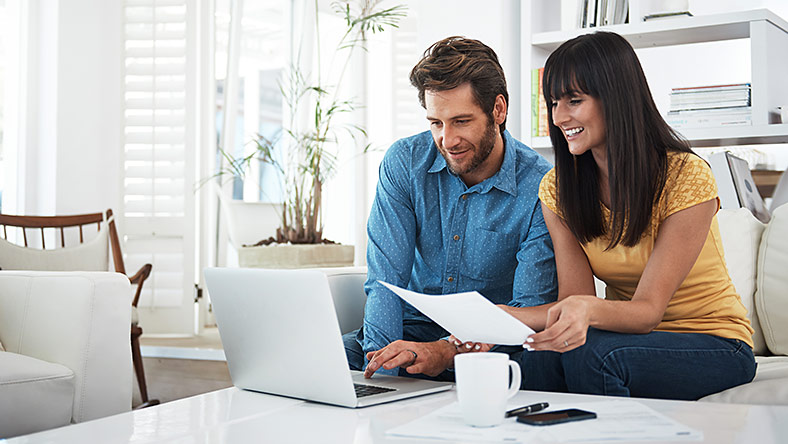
column 757, row 259
column 67, row 355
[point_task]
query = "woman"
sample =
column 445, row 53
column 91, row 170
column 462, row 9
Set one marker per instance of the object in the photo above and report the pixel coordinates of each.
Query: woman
column 629, row 203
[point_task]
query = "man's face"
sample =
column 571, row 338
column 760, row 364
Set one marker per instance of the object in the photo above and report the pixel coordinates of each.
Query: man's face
column 464, row 134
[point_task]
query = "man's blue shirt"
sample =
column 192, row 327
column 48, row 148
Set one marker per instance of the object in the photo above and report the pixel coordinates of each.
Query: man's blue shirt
column 430, row 233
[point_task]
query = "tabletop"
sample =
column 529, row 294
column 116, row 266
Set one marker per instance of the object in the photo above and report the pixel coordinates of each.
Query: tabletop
column 239, row 416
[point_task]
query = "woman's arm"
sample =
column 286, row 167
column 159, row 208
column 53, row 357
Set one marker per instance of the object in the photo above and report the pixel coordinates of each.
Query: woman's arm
column 678, row 244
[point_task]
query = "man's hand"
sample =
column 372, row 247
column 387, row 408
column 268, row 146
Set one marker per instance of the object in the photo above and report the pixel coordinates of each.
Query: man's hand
column 430, row 358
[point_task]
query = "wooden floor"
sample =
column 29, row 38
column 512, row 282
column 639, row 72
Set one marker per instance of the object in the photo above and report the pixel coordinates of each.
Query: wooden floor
column 170, row 379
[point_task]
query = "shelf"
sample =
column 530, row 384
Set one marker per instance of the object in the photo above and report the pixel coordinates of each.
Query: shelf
column 714, row 137
column 736, row 135
column 675, row 31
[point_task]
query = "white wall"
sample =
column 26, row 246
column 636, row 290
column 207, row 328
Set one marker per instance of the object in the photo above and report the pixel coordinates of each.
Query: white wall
column 73, row 146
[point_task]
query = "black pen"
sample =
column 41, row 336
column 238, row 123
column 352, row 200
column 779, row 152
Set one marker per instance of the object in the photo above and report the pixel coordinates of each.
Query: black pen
column 527, row 409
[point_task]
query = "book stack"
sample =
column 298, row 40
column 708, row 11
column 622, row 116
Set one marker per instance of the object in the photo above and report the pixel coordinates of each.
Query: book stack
column 592, row 13
column 710, row 106
column 539, row 127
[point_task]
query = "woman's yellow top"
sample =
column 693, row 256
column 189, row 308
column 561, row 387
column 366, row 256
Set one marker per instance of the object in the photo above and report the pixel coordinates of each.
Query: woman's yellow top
column 706, row 302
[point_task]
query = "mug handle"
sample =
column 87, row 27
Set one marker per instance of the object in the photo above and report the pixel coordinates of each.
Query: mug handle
column 514, row 386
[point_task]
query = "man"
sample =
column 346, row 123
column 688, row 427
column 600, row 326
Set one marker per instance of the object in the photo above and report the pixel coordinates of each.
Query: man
column 456, row 210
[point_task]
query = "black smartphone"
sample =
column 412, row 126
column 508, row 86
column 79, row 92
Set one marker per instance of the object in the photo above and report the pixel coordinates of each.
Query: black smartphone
column 557, row 417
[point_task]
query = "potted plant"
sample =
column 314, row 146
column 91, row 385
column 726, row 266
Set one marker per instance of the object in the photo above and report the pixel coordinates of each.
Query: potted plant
column 310, row 149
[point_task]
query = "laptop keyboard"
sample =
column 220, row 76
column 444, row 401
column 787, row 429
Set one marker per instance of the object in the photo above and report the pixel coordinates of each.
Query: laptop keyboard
column 366, row 390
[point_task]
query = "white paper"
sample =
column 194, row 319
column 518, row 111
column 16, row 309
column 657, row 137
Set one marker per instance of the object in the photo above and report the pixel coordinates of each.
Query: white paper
column 627, row 421
column 447, row 424
column 469, row 316
column 620, row 421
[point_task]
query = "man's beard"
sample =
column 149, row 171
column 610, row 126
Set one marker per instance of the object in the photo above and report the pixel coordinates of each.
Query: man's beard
column 486, row 145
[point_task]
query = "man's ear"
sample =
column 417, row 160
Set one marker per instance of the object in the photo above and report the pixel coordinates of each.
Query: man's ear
column 499, row 110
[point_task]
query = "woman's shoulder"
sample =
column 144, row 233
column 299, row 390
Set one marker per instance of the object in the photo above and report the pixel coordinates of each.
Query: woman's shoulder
column 547, row 190
column 686, row 167
column 689, row 182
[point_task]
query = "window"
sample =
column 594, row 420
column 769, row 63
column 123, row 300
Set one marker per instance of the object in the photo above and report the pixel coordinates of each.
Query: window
column 159, row 156
column 257, row 108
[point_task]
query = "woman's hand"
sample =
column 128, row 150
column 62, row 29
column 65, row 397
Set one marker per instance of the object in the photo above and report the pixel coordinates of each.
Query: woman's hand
column 469, row 347
column 566, row 327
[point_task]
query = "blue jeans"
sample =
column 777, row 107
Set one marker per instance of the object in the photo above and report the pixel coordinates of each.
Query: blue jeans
column 659, row 364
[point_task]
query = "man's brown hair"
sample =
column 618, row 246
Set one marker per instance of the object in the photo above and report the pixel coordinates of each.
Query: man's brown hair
column 454, row 61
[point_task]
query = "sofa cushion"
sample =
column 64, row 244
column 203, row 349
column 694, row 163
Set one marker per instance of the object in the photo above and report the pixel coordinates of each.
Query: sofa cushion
column 34, row 395
column 771, row 298
column 769, row 386
column 93, row 255
column 741, row 237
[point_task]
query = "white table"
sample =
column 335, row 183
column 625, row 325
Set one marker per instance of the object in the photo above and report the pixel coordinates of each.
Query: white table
column 237, row 416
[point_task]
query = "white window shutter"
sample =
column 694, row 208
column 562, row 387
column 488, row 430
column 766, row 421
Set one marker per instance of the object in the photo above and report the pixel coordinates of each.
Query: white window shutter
column 160, row 148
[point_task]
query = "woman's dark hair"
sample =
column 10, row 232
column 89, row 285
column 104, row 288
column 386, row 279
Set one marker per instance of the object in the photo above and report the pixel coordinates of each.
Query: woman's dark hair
column 604, row 66
column 453, row 61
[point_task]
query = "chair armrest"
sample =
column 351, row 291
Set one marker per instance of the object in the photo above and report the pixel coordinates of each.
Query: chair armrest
column 139, row 279
column 77, row 319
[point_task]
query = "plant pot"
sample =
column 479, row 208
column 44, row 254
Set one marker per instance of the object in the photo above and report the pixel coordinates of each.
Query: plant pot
column 296, row 256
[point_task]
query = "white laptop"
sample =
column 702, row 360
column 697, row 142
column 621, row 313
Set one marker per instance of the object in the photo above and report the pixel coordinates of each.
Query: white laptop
column 281, row 336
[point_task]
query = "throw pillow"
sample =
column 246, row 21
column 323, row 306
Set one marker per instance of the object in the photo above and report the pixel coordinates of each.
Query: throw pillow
column 741, row 236
column 771, row 300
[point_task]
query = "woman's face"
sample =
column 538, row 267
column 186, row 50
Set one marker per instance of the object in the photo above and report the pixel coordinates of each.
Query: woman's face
column 579, row 116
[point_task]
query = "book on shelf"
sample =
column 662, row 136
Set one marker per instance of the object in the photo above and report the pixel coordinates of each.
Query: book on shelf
column 539, row 126
column 711, row 105
column 593, row 13
column 709, row 97
column 535, row 92
column 694, row 89
column 701, row 98
column 720, row 104
column 735, row 185
column 706, row 118
column 543, row 126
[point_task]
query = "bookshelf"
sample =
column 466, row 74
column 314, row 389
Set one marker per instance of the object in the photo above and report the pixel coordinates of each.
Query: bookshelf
column 768, row 41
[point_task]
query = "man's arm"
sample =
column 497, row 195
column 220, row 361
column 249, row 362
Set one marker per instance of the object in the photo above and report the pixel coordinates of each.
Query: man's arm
column 391, row 231
column 535, row 281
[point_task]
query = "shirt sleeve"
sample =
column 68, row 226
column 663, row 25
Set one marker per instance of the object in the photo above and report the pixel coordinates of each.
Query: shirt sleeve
column 391, row 230
column 547, row 192
column 535, row 281
column 690, row 182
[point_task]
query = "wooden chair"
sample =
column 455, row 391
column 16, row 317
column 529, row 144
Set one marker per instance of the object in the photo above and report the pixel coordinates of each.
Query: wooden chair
column 58, row 225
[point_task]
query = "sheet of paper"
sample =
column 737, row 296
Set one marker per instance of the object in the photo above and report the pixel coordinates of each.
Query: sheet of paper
column 447, row 424
column 627, row 421
column 469, row 316
column 620, row 421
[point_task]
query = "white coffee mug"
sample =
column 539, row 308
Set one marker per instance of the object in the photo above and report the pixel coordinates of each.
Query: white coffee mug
column 483, row 386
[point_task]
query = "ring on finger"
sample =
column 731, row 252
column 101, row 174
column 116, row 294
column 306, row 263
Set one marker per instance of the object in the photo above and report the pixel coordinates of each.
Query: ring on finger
column 415, row 356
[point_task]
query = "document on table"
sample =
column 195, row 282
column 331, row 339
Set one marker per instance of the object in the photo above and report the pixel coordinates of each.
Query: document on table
column 621, row 421
column 469, row 316
column 446, row 424
column 616, row 421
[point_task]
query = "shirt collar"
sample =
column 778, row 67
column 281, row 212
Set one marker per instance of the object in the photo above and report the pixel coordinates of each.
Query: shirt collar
column 504, row 179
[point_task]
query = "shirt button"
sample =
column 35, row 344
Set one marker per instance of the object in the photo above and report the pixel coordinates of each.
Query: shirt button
column 456, row 237
column 450, row 279
column 464, row 196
